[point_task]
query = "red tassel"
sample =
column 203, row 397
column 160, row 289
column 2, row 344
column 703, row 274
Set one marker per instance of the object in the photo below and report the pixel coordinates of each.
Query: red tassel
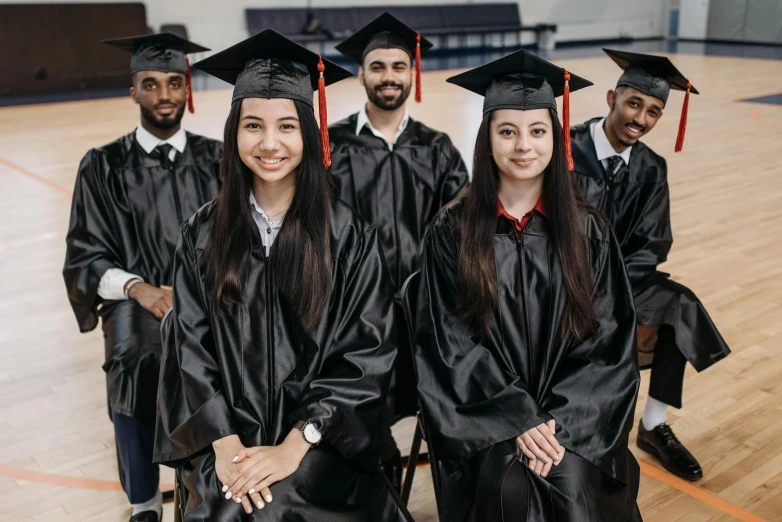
column 566, row 120
column 324, row 120
column 683, row 120
column 418, row 67
column 190, row 105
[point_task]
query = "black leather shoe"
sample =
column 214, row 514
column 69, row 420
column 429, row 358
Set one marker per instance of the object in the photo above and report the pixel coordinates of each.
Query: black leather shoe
column 392, row 469
column 663, row 444
column 147, row 516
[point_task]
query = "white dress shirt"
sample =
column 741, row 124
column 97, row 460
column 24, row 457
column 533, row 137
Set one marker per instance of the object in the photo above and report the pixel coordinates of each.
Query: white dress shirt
column 267, row 227
column 112, row 284
column 149, row 141
column 603, row 147
column 363, row 120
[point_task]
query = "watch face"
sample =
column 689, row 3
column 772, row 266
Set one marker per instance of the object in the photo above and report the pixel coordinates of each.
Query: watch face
column 311, row 434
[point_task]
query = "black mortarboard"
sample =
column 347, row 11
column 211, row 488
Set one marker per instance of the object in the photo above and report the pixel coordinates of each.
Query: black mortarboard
column 269, row 65
column 524, row 82
column 163, row 52
column 386, row 32
column 654, row 76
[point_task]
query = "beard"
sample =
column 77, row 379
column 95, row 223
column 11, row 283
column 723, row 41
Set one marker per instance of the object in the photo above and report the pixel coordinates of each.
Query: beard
column 388, row 103
column 164, row 122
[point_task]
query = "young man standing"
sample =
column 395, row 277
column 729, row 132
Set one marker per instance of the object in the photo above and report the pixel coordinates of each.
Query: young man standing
column 130, row 198
column 395, row 171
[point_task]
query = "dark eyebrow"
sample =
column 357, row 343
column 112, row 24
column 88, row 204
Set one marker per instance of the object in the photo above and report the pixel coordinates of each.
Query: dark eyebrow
column 507, row 123
column 169, row 78
column 284, row 118
column 382, row 63
column 643, row 102
column 539, row 123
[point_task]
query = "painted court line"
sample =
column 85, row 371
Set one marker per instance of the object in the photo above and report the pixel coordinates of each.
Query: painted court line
column 698, row 493
column 35, row 176
column 64, row 481
column 647, row 469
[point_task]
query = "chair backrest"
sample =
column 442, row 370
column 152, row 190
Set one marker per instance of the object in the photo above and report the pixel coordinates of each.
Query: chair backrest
column 409, row 296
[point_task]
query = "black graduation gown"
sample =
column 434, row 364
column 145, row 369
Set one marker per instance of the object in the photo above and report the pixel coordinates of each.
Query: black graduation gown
column 398, row 191
column 255, row 371
column 480, row 395
column 637, row 202
column 126, row 212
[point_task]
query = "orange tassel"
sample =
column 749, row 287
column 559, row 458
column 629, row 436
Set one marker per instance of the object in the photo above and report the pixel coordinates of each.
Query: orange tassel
column 683, row 120
column 190, row 105
column 418, row 67
column 566, row 121
column 324, row 120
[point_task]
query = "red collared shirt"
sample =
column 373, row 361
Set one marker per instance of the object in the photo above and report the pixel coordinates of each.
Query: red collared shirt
column 520, row 224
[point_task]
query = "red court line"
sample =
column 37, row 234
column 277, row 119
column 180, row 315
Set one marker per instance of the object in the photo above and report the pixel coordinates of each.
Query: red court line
column 32, row 240
column 698, row 493
column 35, row 176
column 657, row 474
column 64, row 481
column 758, row 119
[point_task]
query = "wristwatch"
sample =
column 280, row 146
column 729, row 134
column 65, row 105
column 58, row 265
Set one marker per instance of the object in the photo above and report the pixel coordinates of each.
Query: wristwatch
column 311, row 433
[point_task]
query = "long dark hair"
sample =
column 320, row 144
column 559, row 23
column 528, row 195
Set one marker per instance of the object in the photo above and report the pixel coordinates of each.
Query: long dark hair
column 562, row 201
column 300, row 258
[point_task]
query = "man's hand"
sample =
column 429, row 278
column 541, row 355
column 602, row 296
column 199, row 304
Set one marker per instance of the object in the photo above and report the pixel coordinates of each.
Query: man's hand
column 156, row 301
column 541, row 447
column 258, row 468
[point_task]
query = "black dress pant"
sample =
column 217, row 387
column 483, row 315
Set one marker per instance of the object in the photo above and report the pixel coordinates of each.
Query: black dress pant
column 139, row 477
column 667, row 378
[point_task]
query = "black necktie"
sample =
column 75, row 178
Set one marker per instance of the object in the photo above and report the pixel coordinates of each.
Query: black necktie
column 614, row 162
column 164, row 153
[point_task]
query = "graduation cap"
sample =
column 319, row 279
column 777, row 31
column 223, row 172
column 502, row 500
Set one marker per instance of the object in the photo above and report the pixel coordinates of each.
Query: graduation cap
column 164, row 52
column 654, row 76
column 269, row 65
column 387, row 32
column 524, row 82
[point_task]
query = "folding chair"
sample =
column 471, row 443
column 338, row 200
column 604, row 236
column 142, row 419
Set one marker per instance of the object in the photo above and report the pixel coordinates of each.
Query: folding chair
column 409, row 296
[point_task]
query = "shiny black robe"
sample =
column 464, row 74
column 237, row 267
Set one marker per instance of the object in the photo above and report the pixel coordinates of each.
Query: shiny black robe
column 126, row 212
column 478, row 395
column 637, row 202
column 398, row 191
column 255, row 371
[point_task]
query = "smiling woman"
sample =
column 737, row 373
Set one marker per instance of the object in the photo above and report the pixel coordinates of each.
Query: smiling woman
column 526, row 331
column 283, row 304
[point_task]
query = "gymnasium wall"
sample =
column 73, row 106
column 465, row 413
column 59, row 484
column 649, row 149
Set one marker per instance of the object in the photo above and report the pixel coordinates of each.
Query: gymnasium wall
column 220, row 23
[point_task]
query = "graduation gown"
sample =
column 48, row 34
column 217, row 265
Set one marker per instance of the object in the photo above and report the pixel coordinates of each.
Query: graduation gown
column 478, row 395
column 398, row 191
column 637, row 202
column 126, row 212
column 255, row 371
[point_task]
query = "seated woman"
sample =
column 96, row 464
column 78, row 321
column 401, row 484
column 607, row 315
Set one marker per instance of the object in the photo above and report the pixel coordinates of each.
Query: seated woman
column 278, row 351
column 524, row 342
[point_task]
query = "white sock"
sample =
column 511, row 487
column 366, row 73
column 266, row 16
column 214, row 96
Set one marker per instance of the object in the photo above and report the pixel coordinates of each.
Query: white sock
column 655, row 413
column 154, row 504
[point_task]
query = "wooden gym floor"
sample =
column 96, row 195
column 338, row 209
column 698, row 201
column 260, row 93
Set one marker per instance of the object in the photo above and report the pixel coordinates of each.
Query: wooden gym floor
column 57, row 458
